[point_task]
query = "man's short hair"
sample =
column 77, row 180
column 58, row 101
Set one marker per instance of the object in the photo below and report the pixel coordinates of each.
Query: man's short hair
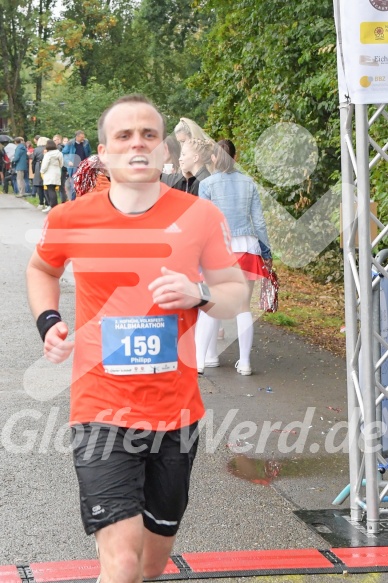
column 79, row 133
column 19, row 140
column 36, row 137
column 132, row 98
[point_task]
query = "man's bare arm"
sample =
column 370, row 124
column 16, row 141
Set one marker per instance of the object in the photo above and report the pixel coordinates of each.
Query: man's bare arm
column 228, row 289
column 43, row 295
column 42, row 285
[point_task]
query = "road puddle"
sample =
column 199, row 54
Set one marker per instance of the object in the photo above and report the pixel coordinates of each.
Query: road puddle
column 264, row 472
column 257, row 471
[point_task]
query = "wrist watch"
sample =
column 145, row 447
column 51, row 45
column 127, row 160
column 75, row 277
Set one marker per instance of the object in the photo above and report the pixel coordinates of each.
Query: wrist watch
column 204, row 293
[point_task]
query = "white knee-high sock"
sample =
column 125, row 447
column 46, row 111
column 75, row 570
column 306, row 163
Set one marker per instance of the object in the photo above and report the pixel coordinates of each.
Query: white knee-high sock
column 212, row 353
column 205, row 329
column 245, row 336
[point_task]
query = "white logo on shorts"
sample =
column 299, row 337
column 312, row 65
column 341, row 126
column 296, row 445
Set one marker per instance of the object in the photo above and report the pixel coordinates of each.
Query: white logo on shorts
column 97, row 510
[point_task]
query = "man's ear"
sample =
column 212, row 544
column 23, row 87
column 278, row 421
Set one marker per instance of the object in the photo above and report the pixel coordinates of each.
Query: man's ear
column 166, row 153
column 102, row 152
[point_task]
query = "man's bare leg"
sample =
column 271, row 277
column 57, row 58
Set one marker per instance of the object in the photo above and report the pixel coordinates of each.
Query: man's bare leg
column 128, row 552
column 156, row 552
column 121, row 551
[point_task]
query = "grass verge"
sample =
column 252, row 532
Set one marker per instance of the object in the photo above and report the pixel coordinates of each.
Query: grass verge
column 308, row 308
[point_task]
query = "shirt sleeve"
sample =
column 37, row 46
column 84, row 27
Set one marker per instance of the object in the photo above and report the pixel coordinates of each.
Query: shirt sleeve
column 52, row 246
column 204, row 191
column 217, row 250
column 17, row 154
column 258, row 217
column 44, row 165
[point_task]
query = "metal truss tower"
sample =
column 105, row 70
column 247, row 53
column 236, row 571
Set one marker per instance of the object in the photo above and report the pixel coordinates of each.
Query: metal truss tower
column 365, row 276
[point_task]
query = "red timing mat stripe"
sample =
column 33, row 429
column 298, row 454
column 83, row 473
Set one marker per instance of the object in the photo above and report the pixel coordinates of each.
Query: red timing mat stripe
column 363, row 557
column 9, row 574
column 251, row 560
column 73, row 570
column 289, row 560
column 65, row 570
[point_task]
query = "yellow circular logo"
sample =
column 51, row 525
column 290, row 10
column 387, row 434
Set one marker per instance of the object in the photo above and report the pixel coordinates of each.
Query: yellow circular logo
column 366, row 81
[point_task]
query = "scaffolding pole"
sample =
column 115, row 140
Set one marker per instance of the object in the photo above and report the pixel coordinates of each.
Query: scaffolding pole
column 367, row 368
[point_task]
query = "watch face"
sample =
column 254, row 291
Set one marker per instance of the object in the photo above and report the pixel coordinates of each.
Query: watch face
column 205, row 292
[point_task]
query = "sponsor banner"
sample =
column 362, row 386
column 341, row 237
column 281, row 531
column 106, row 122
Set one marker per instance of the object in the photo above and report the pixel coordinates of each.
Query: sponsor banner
column 362, row 50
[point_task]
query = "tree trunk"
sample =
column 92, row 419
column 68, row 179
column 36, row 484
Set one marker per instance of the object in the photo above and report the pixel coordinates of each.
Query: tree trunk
column 14, row 46
column 39, row 77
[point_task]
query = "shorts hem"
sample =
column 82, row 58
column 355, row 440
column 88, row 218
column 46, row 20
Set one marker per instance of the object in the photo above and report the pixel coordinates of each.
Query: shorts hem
column 95, row 527
column 160, row 530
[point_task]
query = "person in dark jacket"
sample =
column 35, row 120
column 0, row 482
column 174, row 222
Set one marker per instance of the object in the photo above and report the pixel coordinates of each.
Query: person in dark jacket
column 37, row 181
column 74, row 153
column 186, row 130
column 194, row 159
column 20, row 164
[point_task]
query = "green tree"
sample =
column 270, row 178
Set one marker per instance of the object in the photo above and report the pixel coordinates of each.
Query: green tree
column 17, row 27
column 65, row 108
column 85, row 25
column 173, row 29
column 44, row 57
column 270, row 61
column 266, row 62
column 147, row 47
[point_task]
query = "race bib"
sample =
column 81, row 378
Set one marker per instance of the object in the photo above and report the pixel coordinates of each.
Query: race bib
column 139, row 344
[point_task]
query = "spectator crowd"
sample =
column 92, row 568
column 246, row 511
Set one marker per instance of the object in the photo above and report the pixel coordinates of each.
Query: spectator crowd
column 43, row 168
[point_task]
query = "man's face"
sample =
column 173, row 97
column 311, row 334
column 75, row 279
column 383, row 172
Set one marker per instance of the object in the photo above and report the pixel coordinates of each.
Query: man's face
column 56, row 140
column 64, row 141
column 80, row 138
column 134, row 151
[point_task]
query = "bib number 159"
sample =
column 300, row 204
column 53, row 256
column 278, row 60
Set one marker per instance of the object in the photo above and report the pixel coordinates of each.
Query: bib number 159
column 141, row 345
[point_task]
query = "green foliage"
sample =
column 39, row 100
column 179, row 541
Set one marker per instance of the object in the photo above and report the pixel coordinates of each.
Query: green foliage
column 378, row 185
column 266, row 62
column 84, row 33
column 64, row 112
column 147, row 47
column 16, row 28
column 237, row 67
column 328, row 267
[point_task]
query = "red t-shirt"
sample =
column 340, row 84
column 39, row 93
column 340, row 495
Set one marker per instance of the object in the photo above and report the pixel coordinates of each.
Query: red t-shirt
column 115, row 257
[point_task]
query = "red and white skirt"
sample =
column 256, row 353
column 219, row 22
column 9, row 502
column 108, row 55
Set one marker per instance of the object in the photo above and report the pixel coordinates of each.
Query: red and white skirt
column 247, row 251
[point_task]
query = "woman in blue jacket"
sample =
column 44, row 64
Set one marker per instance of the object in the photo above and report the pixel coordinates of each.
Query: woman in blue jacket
column 236, row 195
column 20, row 165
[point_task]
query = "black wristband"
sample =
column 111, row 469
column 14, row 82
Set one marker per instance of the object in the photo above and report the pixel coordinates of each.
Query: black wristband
column 46, row 320
column 201, row 303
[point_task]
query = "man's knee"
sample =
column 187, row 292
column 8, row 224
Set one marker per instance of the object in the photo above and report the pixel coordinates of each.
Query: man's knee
column 154, row 568
column 156, row 552
column 122, row 567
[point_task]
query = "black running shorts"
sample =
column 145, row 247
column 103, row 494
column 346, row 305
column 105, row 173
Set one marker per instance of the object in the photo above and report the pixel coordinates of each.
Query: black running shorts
column 125, row 472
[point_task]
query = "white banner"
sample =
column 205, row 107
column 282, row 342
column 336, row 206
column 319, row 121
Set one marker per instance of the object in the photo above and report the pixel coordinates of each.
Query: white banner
column 362, row 50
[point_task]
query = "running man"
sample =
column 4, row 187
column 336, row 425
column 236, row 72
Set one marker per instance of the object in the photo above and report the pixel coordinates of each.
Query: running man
column 136, row 251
